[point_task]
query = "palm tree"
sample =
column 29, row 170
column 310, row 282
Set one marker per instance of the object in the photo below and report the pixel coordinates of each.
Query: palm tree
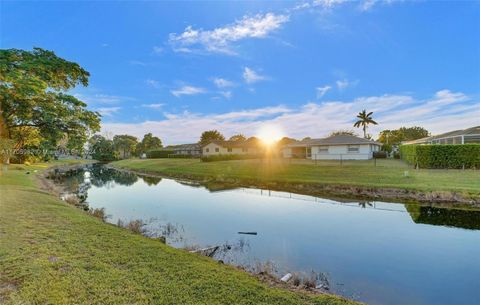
column 364, row 119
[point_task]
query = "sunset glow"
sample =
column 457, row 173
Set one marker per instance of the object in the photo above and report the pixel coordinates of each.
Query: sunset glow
column 269, row 134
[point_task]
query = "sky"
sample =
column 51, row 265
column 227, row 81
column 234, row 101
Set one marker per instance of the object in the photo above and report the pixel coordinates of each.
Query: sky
column 302, row 68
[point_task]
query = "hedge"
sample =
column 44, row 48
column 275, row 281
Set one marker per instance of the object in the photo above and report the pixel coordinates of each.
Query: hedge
column 156, row 154
column 442, row 156
column 228, row 157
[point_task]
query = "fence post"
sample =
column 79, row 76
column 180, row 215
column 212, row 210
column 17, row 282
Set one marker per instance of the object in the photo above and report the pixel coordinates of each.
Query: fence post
column 375, row 161
column 341, row 159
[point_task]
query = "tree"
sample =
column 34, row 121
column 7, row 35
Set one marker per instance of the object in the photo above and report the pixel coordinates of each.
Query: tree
column 343, row 132
column 285, row 141
column 392, row 137
column 101, row 149
column 364, row 119
column 238, row 138
column 211, row 135
column 125, row 145
column 33, row 93
column 148, row 142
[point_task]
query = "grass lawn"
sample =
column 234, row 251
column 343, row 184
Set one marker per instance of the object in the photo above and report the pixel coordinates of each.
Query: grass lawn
column 53, row 253
column 387, row 173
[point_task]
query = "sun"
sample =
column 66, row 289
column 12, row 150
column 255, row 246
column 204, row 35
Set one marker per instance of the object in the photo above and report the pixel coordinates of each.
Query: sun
column 269, row 134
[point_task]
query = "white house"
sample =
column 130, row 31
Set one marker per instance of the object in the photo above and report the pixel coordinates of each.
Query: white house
column 339, row 147
column 249, row 147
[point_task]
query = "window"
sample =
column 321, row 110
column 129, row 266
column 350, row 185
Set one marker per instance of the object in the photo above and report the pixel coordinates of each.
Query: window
column 229, row 149
column 353, row 148
column 217, row 149
column 207, row 150
column 309, row 152
column 323, row 150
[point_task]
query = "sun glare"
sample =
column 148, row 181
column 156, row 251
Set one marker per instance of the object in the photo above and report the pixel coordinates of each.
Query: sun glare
column 269, row 134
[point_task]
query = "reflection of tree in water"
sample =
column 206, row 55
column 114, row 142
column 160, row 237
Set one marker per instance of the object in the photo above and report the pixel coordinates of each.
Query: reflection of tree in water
column 102, row 176
column 460, row 218
column 149, row 180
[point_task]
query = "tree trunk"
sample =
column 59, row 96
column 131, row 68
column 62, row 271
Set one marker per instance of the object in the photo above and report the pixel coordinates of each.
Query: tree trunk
column 4, row 138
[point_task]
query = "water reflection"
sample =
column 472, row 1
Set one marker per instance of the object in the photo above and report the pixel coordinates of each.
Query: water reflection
column 371, row 250
column 459, row 218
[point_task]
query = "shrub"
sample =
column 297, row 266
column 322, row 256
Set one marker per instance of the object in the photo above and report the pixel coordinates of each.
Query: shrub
column 137, row 226
column 99, row 213
column 442, row 156
column 160, row 153
column 228, row 157
column 380, row 154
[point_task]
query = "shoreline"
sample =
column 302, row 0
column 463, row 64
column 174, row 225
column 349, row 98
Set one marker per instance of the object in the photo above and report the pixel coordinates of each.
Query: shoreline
column 57, row 189
column 330, row 191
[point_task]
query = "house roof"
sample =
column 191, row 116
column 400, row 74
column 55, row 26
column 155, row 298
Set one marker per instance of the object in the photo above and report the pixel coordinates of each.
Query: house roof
column 456, row 133
column 193, row 146
column 235, row 144
column 333, row 140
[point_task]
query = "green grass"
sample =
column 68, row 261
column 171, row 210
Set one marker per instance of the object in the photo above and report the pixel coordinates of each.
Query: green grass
column 387, row 174
column 53, row 253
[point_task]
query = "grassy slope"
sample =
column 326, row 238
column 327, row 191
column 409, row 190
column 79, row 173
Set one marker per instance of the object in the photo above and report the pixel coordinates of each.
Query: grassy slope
column 53, row 253
column 387, row 173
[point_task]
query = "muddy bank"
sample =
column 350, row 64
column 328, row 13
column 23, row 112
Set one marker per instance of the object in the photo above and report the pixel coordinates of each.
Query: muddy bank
column 336, row 192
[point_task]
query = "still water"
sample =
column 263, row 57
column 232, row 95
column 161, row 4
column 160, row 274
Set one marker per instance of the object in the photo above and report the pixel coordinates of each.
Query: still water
column 375, row 252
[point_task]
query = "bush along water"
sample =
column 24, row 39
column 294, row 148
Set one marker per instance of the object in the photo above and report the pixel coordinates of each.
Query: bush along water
column 442, row 156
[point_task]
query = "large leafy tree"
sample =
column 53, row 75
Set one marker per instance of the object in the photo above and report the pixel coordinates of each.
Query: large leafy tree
column 125, row 145
column 101, row 148
column 34, row 94
column 148, row 142
column 364, row 119
column 396, row 136
column 211, row 135
column 238, row 138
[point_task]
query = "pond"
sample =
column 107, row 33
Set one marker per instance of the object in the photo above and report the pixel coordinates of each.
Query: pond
column 375, row 252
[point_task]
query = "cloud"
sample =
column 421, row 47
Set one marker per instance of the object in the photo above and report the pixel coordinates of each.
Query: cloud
column 328, row 4
column 250, row 76
column 367, row 5
column 222, row 83
column 322, row 90
column 153, row 106
column 219, row 40
column 137, row 63
column 98, row 98
column 345, row 83
column 226, row 94
column 108, row 111
column 437, row 114
column 157, row 50
column 153, row 83
column 188, row 90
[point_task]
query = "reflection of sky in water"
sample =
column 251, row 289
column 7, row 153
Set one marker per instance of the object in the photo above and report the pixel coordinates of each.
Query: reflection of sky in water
column 378, row 254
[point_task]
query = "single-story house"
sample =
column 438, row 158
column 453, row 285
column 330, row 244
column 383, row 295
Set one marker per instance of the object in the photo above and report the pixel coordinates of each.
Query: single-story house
column 215, row 147
column 338, row 147
column 193, row 150
column 463, row 136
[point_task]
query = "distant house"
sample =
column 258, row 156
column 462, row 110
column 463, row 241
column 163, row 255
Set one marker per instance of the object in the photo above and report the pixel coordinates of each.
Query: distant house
column 193, row 150
column 345, row 147
column 250, row 147
column 463, row 136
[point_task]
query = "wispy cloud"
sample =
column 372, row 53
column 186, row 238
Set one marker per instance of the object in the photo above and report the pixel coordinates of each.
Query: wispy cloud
column 367, row 5
column 153, row 83
column 188, row 90
column 319, row 119
column 226, row 94
column 157, row 50
column 220, row 40
column 98, row 98
column 345, row 83
column 321, row 91
column 108, row 111
column 250, row 76
column 153, row 106
column 222, row 83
